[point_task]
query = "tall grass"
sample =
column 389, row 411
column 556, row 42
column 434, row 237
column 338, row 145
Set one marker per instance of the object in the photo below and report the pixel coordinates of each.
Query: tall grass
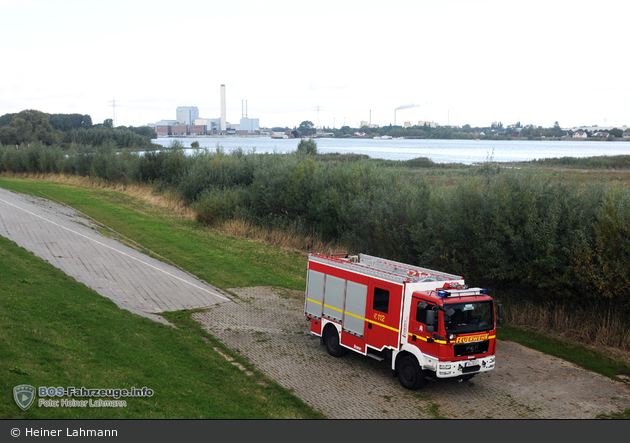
column 581, row 324
column 599, row 162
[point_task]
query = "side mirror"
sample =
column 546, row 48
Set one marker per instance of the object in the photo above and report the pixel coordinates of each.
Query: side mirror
column 430, row 320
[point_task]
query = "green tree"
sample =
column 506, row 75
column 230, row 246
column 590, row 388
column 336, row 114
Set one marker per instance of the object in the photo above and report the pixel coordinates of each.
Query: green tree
column 307, row 128
column 68, row 122
column 144, row 131
column 27, row 127
column 108, row 123
column 616, row 132
column 5, row 120
column 346, row 130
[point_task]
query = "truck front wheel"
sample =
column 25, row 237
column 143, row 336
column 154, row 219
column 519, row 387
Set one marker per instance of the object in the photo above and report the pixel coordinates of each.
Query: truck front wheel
column 409, row 372
column 331, row 340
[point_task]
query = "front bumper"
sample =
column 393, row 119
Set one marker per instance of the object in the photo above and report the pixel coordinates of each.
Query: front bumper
column 449, row 369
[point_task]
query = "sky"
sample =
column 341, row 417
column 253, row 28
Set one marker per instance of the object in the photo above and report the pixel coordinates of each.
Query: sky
column 333, row 63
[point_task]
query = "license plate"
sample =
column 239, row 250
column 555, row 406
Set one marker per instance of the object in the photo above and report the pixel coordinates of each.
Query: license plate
column 470, row 363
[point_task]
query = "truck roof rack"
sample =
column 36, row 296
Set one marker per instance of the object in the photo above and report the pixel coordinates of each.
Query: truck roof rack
column 385, row 269
column 403, row 268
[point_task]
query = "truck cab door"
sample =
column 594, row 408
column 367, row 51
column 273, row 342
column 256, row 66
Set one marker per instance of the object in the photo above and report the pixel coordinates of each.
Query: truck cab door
column 418, row 334
column 382, row 326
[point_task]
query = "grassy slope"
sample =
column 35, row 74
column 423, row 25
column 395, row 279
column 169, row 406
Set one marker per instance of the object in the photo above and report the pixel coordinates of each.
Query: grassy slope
column 62, row 333
column 57, row 332
column 222, row 261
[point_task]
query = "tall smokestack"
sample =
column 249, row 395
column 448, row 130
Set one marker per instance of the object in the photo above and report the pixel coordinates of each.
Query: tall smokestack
column 245, row 108
column 223, row 120
column 242, row 109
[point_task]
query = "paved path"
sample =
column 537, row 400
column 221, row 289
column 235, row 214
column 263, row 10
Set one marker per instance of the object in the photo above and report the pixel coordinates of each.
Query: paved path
column 70, row 242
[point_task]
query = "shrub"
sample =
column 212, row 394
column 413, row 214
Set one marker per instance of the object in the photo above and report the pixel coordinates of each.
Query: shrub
column 307, row 147
column 214, row 205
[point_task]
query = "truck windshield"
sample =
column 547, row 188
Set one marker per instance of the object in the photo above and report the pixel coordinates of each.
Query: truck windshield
column 469, row 317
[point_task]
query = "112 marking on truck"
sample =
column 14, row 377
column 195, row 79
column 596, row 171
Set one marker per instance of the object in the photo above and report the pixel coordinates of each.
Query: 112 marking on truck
column 425, row 323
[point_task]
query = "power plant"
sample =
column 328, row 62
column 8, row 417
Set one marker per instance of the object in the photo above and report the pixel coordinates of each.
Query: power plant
column 188, row 123
column 223, row 111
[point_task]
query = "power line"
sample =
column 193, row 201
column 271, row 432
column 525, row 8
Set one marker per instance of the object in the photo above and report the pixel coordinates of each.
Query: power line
column 113, row 105
column 317, row 108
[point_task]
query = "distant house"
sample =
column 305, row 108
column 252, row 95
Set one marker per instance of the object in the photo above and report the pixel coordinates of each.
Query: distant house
column 626, row 134
column 580, row 134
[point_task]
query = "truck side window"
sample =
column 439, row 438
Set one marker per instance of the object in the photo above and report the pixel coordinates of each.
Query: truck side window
column 381, row 300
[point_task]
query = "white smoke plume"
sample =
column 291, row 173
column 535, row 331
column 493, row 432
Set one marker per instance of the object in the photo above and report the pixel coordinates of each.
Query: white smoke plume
column 407, row 106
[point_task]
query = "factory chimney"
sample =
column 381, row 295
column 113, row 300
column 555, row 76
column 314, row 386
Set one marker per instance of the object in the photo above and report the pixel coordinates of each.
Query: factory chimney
column 223, row 120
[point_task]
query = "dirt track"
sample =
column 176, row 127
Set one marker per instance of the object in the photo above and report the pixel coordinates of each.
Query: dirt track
column 268, row 327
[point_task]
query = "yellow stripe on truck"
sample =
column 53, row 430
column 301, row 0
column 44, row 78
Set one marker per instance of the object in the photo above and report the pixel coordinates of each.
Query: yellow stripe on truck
column 381, row 325
column 354, row 315
column 425, row 339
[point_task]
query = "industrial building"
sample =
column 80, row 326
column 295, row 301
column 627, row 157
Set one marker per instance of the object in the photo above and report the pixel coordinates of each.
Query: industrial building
column 186, row 115
column 188, row 123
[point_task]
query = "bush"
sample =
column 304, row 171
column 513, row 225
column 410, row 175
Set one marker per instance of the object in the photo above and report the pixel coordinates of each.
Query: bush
column 206, row 170
column 307, row 147
column 214, row 205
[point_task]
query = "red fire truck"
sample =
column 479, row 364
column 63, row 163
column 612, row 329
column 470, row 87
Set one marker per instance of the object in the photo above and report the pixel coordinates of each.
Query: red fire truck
column 426, row 323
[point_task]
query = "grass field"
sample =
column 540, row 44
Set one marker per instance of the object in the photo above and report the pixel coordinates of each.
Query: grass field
column 57, row 332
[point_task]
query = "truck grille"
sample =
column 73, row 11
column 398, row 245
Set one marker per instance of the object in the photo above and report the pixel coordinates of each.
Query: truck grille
column 478, row 347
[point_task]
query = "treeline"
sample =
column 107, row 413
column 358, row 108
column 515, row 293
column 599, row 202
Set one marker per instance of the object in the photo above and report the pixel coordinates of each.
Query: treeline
column 496, row 131
column 31, row 126
column 517, row 232
column 433, row 133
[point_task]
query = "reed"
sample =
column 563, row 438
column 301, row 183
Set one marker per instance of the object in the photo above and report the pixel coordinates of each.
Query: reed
column 287, row 238
column 588, row 326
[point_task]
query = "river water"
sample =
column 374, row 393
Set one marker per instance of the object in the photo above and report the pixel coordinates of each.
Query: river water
column 440, row 151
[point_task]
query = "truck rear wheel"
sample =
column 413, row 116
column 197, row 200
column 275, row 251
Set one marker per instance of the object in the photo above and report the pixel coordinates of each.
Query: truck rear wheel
column 409, row 373
column 331, row 340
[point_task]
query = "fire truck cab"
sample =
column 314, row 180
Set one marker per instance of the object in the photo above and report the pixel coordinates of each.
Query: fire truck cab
column 425, row 323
